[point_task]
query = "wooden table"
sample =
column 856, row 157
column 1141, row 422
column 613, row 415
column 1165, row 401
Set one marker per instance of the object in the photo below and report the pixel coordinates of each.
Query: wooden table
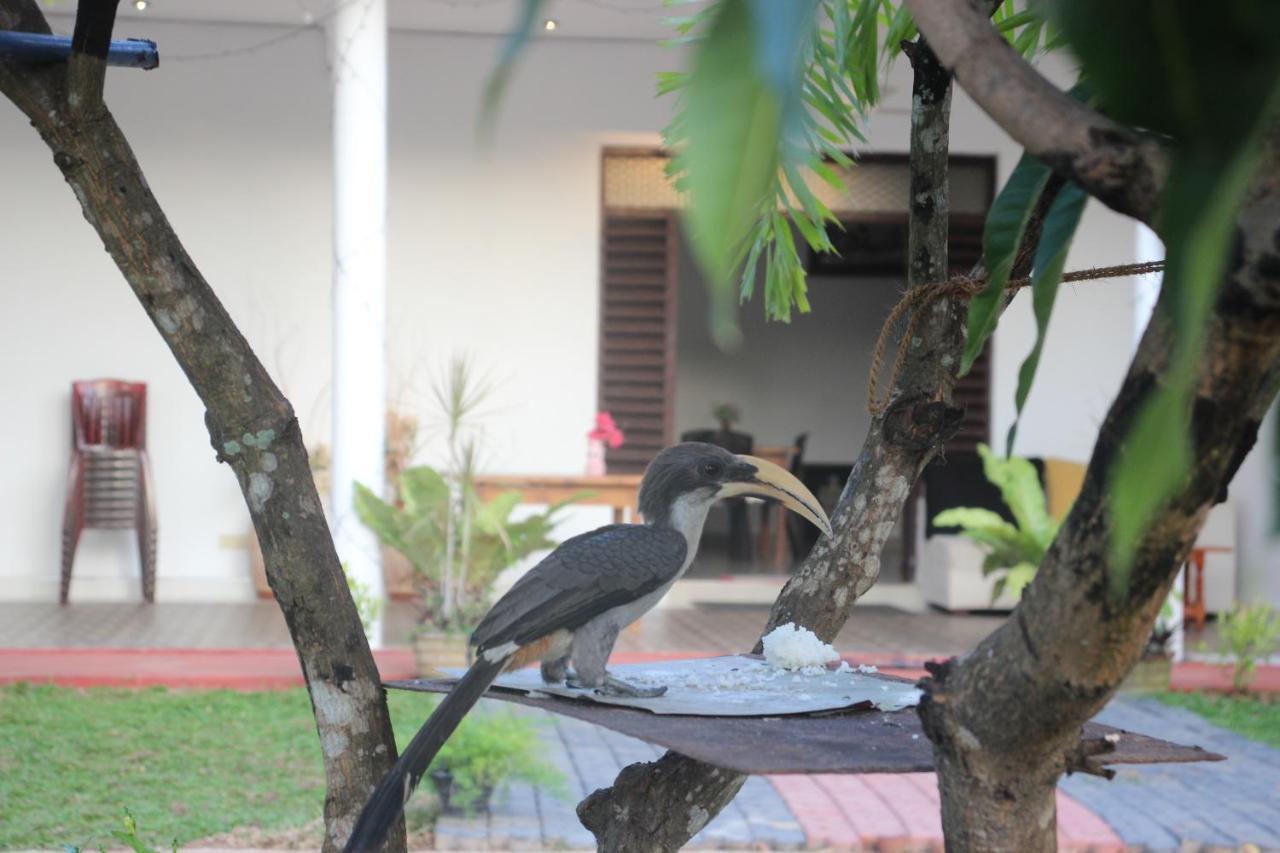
column 771, row 543
column 620, row 491
column 613, row 490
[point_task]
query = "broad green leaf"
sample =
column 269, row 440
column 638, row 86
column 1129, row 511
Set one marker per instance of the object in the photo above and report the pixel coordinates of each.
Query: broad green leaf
column 733, row 121
column 1046, row 274
column 806, row 69
column 974, row 518
column 1015, row 581
column 378, row 516
column 1019, row 486
column 492, row 517
column 1006, row 223
column 1196, row 71
column 1207, row 75
column 511, row 49
column 1155, row 456
column 422, row 489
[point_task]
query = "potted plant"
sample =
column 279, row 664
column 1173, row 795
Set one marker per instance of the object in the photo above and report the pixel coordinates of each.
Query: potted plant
column 1015, row 550
column 456, row 542
column 727, row 415
column 489, row 748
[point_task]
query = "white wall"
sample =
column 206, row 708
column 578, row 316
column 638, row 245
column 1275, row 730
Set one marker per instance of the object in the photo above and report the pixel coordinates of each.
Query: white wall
column 1254, row 493
column 493, row 251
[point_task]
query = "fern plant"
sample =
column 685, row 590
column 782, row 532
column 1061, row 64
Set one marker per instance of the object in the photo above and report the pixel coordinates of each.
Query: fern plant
column 1014, row 550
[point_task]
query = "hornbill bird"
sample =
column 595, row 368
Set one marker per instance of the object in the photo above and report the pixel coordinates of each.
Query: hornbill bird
column 571, row 606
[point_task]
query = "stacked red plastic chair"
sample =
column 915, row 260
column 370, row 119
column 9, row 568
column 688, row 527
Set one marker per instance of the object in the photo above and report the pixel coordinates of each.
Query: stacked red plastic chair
column 109, row 484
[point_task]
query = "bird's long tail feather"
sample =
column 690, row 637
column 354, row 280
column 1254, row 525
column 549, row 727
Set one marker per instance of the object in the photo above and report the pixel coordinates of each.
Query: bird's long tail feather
column 393, row 791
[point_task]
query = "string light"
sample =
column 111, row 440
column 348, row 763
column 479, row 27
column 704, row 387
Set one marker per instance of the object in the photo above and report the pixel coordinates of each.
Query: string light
column 311, row 21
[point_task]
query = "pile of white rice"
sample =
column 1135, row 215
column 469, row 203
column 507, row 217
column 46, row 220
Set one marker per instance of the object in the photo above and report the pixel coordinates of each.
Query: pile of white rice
column 798, row 649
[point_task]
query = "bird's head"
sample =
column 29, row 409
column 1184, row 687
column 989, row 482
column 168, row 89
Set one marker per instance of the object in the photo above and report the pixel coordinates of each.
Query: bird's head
column 698, row 474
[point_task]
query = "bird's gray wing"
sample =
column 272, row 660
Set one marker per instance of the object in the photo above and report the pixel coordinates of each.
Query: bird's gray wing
column 581, row 579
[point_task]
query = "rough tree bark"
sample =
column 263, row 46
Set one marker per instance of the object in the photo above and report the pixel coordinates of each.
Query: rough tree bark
column 1005, row 720
column 659, row 806
column 1114, row 164
column 251, row 424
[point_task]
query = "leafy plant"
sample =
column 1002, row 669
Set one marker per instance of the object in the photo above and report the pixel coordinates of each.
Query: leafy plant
column 490, row 748
column 456, row 541
column 484, row 538
column 726, row 415
column 1248, row 633
column 1015, row 550
column 127, row 835
column 777, row 94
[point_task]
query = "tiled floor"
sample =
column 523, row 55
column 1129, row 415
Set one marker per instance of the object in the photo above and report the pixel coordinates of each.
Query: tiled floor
column 709, row 629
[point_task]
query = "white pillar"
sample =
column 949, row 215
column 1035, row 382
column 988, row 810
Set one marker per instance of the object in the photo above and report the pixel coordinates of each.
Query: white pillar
column 357, row 46
column 1146, row 288
column 1146, row 291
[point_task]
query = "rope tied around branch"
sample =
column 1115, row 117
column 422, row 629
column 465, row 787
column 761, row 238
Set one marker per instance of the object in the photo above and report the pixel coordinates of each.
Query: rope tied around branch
column 962, row 287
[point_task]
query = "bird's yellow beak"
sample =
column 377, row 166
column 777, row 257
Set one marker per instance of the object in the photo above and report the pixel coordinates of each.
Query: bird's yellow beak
column 769, row 480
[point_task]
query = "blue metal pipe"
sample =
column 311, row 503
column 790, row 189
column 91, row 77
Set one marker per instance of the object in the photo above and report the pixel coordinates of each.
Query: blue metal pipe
column 37, row 47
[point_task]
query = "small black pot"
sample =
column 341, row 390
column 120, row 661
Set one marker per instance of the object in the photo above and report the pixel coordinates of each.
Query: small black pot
column 442, row 781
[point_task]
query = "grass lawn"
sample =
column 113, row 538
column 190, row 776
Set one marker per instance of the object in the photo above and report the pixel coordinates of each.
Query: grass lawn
column 1253, row 717
column 187, row 764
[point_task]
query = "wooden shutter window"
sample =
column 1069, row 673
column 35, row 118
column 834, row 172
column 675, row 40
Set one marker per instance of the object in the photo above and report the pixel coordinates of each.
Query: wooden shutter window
column 637, row 334
column 973, row 390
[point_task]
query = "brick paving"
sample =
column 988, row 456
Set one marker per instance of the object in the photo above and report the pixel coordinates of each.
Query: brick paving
column 1163, row 807
column 1231, row 803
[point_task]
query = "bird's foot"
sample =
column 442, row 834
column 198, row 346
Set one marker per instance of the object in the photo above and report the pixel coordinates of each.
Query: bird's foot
column 616, row 687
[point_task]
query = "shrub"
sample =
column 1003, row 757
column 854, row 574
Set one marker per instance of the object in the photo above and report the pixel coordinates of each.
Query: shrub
column 490, row 748
column 1249, row 633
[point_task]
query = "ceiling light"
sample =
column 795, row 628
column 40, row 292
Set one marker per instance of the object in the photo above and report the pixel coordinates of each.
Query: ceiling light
column 549, row 24
column 140, row 5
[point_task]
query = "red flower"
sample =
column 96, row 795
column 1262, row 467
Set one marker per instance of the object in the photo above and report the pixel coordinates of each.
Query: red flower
column 607, row 431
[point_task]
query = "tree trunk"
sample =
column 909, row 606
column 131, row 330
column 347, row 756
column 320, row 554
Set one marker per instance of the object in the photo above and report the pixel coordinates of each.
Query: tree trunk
column 1005, row 720
column 251, row 424
column 659, row 806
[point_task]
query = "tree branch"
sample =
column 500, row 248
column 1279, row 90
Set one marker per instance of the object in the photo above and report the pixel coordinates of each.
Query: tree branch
column 87, row 67
column 1005, row 719
column 251, row 424
column 1121, row 169
column 659, row 806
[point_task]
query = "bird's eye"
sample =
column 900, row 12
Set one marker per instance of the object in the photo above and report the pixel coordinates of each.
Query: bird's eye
column 711, row 469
